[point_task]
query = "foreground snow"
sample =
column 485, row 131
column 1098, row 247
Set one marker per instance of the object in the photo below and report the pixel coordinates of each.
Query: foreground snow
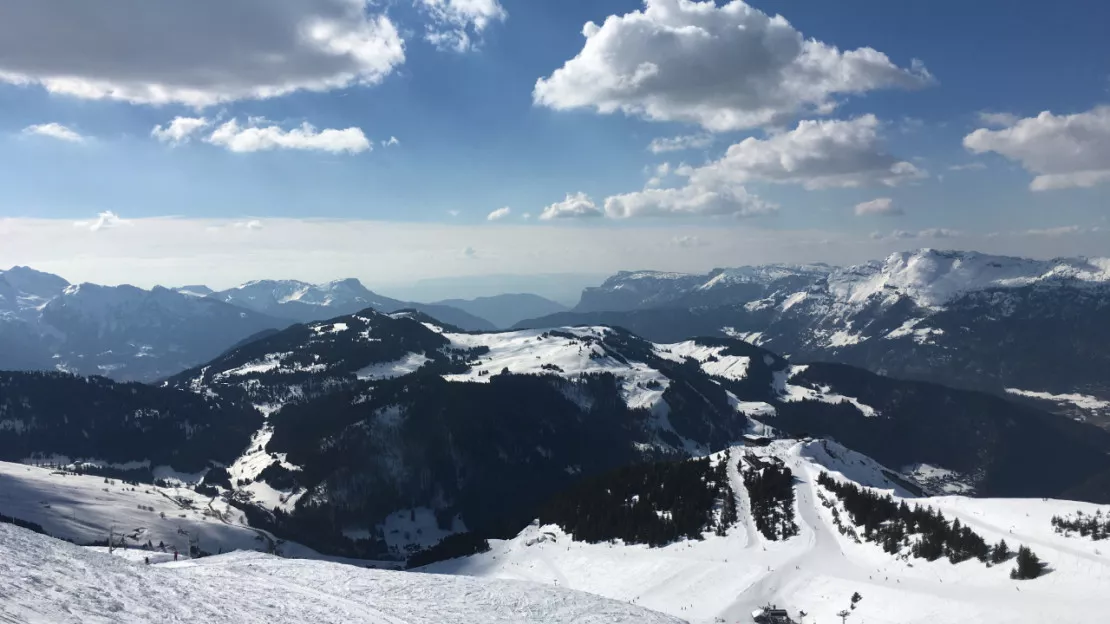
column 818, row 571
column 50, row 581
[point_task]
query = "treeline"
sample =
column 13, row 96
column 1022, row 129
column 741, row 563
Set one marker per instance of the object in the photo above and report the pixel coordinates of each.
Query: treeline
column 771, row 491
column 655, row 504
column 892, row 524
column 1095, row 526
column 93, row 417
column 26, row 524
column 450, row 547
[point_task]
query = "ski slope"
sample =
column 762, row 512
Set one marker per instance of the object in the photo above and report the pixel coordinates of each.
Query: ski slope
column 47, row 581
column 726, row 578
column 85, row 509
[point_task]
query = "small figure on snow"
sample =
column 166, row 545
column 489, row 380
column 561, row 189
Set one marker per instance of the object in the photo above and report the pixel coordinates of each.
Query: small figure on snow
column 175, row 554
column 146, row 560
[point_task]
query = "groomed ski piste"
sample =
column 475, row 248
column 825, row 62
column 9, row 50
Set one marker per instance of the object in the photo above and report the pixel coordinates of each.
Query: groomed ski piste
column 49, row 581
column 725, row 579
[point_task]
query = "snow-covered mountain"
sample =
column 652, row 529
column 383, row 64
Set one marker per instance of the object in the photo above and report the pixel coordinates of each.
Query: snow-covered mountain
column 49, row 580
column 834, row 561
column 133, row 334
column 119, row 331
column 383, row 430
column 960, row 318
column 633, row 290
column 303, row 302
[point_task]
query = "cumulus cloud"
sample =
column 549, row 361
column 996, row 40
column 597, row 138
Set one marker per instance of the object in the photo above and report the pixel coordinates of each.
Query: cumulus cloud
column 104, row 221
column 391, row 142
column 499, row 214
column 971, row 166
column 880, row 206
column 576, row 205
column 680, row 143
column 919, row 234
column 453, row 21
column 181, row 129
column 815, row 154
column 997, row 120
column 196, row 53
column 661, row 171
column 725, row 67
column 1064, row 151
column 54, row 130
column 253, row 224
column 237, row 138
column 691, row 200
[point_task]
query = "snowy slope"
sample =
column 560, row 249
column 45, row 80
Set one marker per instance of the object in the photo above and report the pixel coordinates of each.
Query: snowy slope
column 49, row 581
column 84, row 508
column 817, row 571
column 932, row 278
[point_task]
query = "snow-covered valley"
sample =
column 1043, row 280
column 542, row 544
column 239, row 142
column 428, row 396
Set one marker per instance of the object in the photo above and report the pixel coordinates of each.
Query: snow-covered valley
column 724, row 578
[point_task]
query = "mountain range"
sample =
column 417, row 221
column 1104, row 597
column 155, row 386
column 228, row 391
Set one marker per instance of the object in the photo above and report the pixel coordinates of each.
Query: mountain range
column 332, row 432
column 1029, row 328
column 132, row 334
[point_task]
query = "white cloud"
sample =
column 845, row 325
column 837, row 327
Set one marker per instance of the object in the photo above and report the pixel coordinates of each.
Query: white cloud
column 453, row 213
column 997, row 120
column 688, row 242
column 971, row 166
column 577, row 205
column 197, row 53
column 104, row 221
column 920, row 234
column 1064, row 151
column 55, row 130
column 690, row 200
column 1056, row 232
column 391, row 142
column 253, row 224
column 661, row 171
column 725, row 67
column 238, row 138
column 499, row 214
column 816, row 154
column 453, row 21
column 181, row 129
column 881, row 206
column 680, row 143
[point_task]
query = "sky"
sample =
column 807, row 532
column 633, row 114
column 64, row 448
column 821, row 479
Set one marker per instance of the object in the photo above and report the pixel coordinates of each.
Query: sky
column 455, row 147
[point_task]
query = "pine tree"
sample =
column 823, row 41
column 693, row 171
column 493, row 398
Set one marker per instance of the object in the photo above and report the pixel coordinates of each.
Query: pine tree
column 1000, row 552
column 1029, row 566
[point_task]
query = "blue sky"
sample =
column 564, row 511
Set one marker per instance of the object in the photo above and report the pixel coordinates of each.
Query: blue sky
column 456, row 84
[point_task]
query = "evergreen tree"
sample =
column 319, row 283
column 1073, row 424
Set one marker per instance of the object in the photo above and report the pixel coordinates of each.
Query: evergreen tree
column 1000, row 552
column 1029, row 566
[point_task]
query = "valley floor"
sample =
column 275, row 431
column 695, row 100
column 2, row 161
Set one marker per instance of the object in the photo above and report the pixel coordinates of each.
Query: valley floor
column 726, row 578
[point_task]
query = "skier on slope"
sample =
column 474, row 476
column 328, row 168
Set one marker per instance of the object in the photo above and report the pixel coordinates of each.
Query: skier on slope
column 175, row 554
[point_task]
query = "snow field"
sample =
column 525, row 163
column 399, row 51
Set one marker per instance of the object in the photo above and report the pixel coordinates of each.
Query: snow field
column 48, row 581
column 726, row 578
